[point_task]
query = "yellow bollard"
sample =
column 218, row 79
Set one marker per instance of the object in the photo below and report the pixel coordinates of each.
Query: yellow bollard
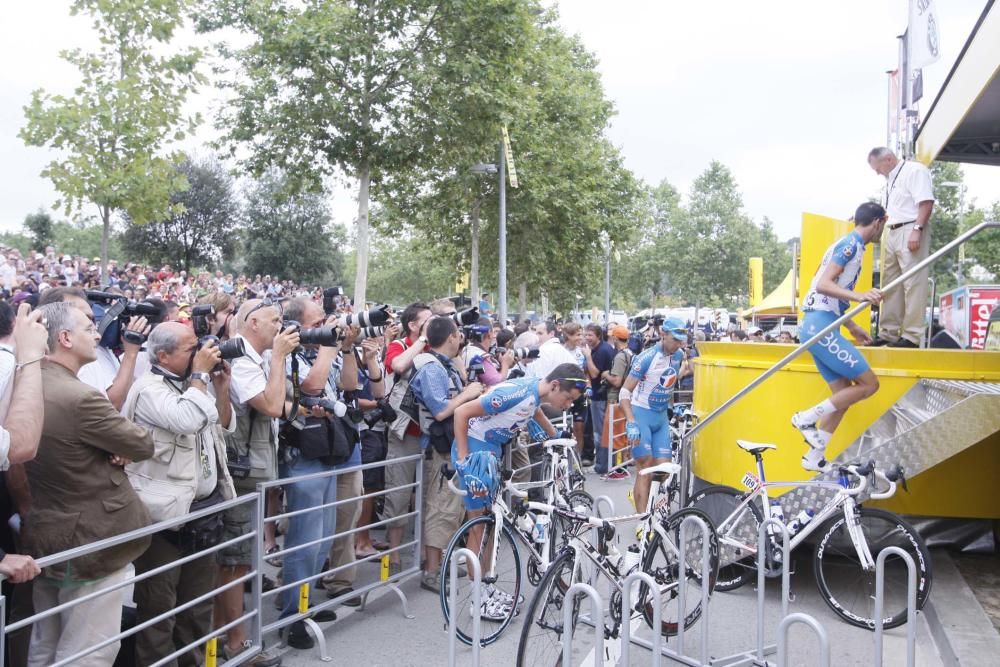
column 385, row 568
column 211, row 652
column 304, row 598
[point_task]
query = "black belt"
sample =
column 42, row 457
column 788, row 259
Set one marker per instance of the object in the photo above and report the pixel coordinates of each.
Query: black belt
column 901, row 224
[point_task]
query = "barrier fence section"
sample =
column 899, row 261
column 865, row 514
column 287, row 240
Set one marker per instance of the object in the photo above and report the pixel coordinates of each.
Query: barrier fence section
column 253, row 576
column 303, row 585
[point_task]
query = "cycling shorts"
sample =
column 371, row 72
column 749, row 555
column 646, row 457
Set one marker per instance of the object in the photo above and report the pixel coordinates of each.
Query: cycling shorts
column 654, row 434
column 472, row 502
column 835, row 356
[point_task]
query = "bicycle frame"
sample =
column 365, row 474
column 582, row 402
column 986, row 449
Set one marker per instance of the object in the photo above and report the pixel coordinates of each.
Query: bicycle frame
column 844, row 501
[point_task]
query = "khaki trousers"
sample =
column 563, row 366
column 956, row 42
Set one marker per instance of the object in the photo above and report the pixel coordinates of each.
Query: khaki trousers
column 443, row 509
column 342, row 549
column 903, row 311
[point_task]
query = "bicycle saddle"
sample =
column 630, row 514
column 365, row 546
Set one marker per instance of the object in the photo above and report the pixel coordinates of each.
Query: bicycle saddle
column 755, row 447
column 667, row 467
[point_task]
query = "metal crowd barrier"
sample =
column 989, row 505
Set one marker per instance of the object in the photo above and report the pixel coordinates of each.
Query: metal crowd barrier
column 911, row 604
column 306, row 610
column 477, row 577
column 596, row 612
column 790, row 620
column 253, row 615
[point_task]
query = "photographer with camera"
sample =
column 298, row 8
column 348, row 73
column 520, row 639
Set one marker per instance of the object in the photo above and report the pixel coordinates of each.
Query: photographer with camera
column 480, row 364
column 437, row 388
column 186, row 473
column 257, row 391
column 110, row 373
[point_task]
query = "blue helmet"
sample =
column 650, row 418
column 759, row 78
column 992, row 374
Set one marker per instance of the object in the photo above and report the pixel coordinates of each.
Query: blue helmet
column 676, row 327
column 480, row 473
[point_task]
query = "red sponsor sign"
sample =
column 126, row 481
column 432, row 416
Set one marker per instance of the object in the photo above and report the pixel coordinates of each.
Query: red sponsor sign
column 981, row 304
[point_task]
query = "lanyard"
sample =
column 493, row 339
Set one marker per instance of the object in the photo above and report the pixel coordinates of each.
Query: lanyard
column 888, row 192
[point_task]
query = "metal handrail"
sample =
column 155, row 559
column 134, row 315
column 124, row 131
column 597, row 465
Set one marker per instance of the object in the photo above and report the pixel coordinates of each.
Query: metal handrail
column 833, row 326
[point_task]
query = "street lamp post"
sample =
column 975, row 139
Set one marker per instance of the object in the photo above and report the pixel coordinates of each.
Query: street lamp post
column 606, row 241
column 500, row 170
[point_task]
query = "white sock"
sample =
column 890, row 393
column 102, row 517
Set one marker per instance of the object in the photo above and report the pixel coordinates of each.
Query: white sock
column 824, row 437
column 815, row 413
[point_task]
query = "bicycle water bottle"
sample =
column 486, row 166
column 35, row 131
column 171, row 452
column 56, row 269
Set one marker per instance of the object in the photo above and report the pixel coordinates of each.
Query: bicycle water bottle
column 777, row 512
column 615, row 557
column 541, row 527
column 526, row 522
column 800, row 520
column 631, row 560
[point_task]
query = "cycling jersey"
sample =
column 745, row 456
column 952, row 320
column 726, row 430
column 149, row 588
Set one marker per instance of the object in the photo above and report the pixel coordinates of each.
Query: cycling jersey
column 848, row 253
column 509, row 407
column 657, row 373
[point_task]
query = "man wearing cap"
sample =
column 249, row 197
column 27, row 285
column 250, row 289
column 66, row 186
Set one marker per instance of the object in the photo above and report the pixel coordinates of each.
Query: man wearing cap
column 646, row 399
column 756, row 335
column 615, row 377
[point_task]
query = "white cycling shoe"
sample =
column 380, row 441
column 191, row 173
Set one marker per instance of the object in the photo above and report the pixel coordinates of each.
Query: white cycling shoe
column 815, row 460
column 809, row 431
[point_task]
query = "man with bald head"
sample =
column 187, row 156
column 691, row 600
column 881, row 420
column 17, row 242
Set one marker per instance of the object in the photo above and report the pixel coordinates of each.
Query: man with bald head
column 180, row 400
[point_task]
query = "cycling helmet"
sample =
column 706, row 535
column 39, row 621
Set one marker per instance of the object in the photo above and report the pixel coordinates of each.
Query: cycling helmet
column 480, row 473
column 676, row 328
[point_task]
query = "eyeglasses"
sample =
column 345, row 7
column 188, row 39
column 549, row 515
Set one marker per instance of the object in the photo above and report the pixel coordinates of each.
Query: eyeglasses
column 578, row 383
column 264, row 303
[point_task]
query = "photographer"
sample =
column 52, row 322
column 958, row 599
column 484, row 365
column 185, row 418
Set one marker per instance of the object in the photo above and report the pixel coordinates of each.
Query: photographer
column 314, row 439
column 480, row 365
column 437, row 387
column 257, row 391
column 186, row 473
column 108, row 373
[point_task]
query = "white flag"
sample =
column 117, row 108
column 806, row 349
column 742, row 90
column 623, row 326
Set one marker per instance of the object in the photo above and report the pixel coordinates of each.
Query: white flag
column 924, row 38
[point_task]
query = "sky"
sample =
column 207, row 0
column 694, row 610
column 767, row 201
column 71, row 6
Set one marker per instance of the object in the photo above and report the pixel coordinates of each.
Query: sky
column 790, row 95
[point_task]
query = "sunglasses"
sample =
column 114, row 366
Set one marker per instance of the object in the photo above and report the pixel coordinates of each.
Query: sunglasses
column 578, row 383
column 265, row 303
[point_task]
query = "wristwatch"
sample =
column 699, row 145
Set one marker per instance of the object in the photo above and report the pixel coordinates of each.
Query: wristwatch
column 204, row 378
column 423, row 339
column 919, row 228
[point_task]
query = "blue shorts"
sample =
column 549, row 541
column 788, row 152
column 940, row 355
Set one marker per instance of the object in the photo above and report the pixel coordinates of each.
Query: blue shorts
column 654, row 434
column 835, row 356
column 472, row 502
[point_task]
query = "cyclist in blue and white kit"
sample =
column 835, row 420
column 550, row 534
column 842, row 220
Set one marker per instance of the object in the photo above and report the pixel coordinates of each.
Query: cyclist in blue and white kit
column 646, row 399
column 839, row 362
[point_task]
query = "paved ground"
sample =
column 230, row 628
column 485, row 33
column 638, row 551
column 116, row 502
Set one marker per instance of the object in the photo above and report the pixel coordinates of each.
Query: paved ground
column 982, row 573
column 381, row 636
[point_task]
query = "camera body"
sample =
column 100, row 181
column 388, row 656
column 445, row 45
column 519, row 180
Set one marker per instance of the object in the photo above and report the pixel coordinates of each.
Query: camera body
column 381, row 412
column 338, row 408
column 113, row 311
column 199, row 316
column 230, row 349
column 330, row 295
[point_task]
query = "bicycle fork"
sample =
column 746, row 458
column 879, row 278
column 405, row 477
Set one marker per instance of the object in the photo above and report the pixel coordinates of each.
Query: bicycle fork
column 853, row 520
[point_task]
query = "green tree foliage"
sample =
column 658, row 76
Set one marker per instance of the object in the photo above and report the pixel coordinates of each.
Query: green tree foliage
column 357, row 87
column 202, row 233
column 405, row 269
column 17, row 240
column 984, row 249
column 946, row 221
column 110, row 131
column 40, row 226
column 84, row 237
column 289, row 234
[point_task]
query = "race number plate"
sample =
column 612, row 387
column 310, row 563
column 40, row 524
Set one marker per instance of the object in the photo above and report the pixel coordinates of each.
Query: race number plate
column 750, row 481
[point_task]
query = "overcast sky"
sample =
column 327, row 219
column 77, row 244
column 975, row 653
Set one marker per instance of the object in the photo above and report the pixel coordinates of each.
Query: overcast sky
column 790, row 95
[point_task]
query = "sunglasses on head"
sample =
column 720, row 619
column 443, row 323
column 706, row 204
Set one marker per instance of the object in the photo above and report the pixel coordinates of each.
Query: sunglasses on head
column 264, row 303
column 578, row 383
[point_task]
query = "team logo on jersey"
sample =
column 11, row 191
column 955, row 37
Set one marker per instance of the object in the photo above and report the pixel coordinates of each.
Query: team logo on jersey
column 496, row 402
column 668, row 378
column 848, row 251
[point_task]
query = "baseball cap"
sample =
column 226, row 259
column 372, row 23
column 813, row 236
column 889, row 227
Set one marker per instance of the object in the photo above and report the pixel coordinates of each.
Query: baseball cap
column 619, row 332
column 753, row 331
column 676, row 328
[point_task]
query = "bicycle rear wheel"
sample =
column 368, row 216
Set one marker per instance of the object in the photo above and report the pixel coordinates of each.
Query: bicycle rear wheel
column 662, row 562
column 737, row 538
column 848, row 588
column 505, row 580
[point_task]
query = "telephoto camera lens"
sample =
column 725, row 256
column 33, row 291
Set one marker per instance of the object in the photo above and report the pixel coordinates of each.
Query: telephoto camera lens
column 325, row 336
column 370, row 332
column 525, row 353
column 232, row 349
column 376, row 317
column 466, row 317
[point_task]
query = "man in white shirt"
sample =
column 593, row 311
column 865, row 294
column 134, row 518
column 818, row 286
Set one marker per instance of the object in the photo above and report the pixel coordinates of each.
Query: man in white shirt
column 551, row 352
column 906, row 241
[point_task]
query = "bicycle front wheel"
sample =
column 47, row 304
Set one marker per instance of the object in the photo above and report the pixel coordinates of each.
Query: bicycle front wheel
column 662, row 562
column 848, row 588
column 543, row 631
column 501, row 583
column 737, row 532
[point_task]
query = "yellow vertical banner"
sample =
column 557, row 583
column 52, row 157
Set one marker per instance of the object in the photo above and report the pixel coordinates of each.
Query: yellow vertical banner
column 212, row 652
column 304, row 598
column 462, row 284
column 755, row 281
column 385, row 568
column 511, row 172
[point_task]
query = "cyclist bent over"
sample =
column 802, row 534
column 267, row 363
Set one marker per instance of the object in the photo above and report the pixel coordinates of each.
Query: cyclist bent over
column 839, row 362
column 646, row 399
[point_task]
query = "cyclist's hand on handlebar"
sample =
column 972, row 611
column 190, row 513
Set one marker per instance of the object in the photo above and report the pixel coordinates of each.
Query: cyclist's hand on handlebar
column 632, row 433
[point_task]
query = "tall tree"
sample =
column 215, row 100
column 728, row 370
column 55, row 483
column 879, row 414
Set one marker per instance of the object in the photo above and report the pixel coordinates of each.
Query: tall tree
column 289, row 234
column 202, row 232
column 127, row 108
column 357, row 87
column 983, row 250
column 946, row 219
column 40, row 226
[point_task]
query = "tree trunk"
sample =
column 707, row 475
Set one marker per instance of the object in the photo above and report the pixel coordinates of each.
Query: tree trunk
column 105, row 234
column 474, row 269
column 522, row 299
column 361, row 274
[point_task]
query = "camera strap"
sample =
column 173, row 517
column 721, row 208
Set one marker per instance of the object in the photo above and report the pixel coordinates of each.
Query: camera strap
column 294, row 411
